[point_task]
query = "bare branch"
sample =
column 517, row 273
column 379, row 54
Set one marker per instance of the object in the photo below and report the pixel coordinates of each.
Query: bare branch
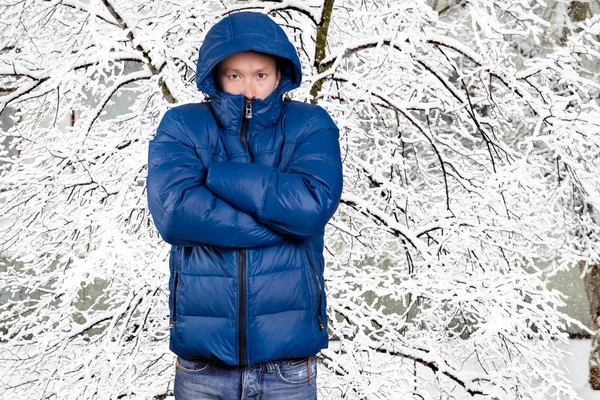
column 143, row 75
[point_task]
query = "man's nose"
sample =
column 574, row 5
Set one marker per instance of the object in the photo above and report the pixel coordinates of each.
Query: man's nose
column 249, row 89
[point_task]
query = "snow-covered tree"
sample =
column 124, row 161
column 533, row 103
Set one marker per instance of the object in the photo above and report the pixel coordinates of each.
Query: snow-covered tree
column 470, row 146
column 566, row 18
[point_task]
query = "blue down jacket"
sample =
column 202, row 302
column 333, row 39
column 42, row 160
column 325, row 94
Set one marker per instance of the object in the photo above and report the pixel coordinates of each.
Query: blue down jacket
column 243, row 196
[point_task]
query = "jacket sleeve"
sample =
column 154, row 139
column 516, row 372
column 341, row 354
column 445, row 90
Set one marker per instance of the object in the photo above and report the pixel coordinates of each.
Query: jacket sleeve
column 298, row 202
column 184, row 211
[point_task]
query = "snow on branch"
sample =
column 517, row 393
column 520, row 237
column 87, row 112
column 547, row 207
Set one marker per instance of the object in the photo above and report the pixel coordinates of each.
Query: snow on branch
column 154, row 61
column 389, row 222
column 396, row 43
column 80, row 6
column 306, row 8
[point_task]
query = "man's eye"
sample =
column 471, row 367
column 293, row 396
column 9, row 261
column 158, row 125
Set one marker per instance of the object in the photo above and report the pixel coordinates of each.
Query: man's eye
column 261, row 75
column 234, row 76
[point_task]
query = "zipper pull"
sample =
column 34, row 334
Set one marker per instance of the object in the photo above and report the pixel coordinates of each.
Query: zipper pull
column 248, row 113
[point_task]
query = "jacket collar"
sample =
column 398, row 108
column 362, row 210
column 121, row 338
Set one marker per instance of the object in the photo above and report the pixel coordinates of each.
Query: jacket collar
column 229, row 110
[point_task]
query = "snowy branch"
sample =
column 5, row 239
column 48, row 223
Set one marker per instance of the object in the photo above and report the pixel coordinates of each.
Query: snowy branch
column 122, row 81
column 306, row 8
column 80, row 6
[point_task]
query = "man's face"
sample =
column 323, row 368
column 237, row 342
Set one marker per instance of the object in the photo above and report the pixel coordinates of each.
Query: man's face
column 252, row 74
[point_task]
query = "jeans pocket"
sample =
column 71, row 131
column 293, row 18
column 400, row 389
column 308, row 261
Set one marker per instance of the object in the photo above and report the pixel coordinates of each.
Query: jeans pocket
column 295, row 373
column 192, row 366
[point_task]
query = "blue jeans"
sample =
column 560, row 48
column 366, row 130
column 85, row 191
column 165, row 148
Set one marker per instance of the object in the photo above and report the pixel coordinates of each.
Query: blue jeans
column 272, row 380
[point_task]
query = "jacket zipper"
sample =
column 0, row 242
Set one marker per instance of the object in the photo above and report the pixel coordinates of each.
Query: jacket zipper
column 246, row 121
column 242, row 313
column 314, row 271
column 243, row 356
column 174, row 320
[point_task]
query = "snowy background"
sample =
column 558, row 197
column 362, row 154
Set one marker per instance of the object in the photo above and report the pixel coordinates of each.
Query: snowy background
column 470, row 133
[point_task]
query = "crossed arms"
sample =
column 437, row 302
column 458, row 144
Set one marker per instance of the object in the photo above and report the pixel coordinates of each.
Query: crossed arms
column 242, row 206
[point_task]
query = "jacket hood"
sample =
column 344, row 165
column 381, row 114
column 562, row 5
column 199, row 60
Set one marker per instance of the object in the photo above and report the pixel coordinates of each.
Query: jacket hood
column 247, row 31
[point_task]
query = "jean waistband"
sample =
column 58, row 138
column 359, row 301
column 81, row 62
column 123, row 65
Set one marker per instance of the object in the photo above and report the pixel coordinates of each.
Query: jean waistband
column 269, row 364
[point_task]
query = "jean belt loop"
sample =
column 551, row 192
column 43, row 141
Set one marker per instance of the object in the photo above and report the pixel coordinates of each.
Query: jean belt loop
column 270, row 366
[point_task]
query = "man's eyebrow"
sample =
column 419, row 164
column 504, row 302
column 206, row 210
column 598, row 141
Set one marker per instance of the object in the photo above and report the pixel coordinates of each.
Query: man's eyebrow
column 234, row 70
column 237, row 71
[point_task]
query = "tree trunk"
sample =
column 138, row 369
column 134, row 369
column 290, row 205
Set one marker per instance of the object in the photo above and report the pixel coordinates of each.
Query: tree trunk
column 578, row 11
column 321, row 46
column 591, row 281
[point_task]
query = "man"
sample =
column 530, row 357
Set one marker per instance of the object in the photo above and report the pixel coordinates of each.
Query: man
column 242, row 187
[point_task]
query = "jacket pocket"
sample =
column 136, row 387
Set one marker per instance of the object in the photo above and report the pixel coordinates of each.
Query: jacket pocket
column 178, row 257
column 174, row 294
column 320, row 291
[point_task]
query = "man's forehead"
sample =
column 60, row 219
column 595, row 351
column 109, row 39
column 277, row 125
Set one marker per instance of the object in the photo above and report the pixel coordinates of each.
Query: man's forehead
column 249, row 58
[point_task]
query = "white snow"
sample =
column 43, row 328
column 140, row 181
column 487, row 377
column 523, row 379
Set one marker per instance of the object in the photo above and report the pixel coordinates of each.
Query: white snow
column 577, row 364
